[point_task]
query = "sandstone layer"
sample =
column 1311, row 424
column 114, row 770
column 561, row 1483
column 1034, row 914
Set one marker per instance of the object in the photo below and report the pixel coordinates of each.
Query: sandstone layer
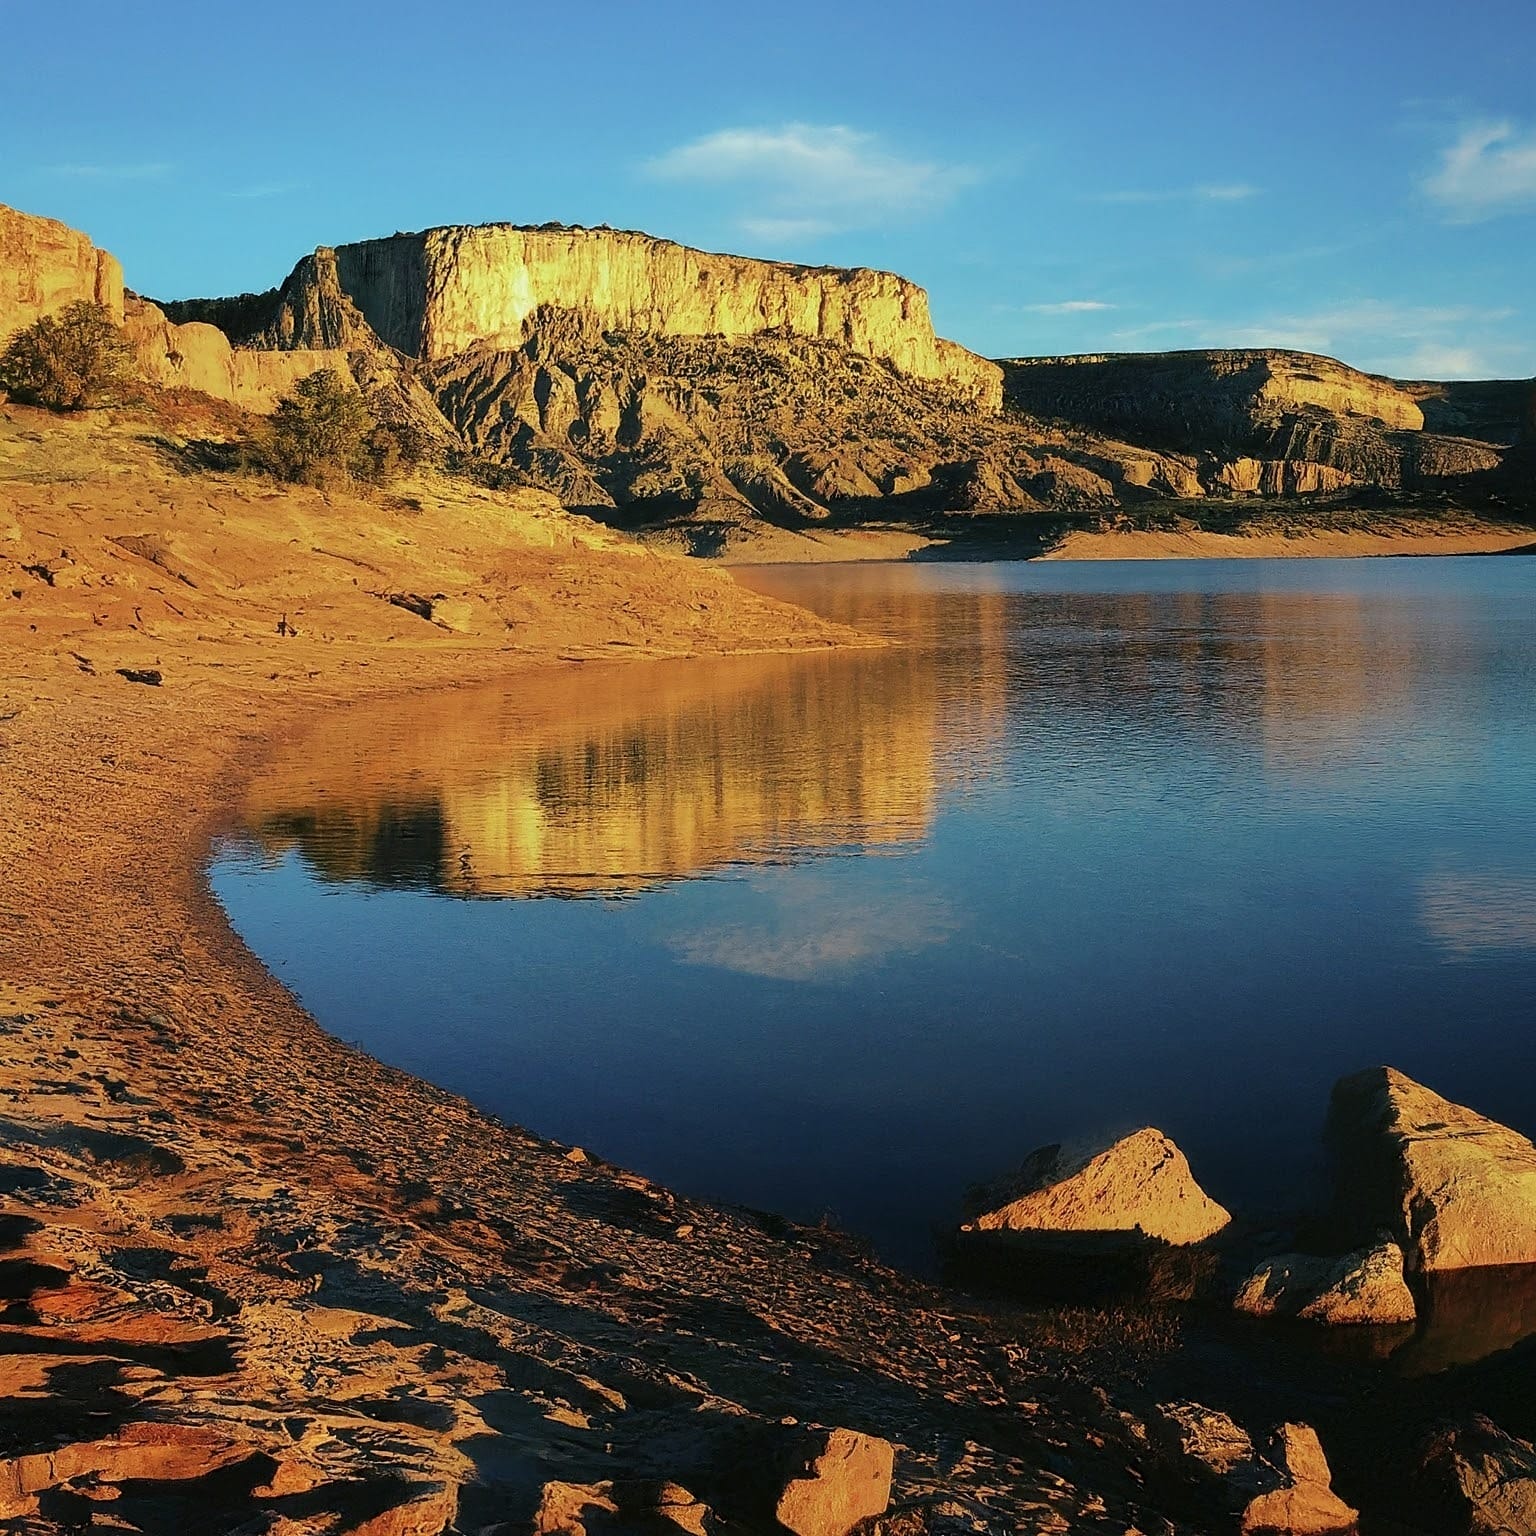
column 45, row 265
column 1365, row 1287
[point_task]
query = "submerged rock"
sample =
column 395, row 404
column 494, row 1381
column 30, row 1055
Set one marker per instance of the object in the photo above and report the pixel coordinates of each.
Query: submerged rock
column 1458, row 1190
column 1480, row 1480
column 1366, row 1286
column 1286, row 1489
column 1138, row 1185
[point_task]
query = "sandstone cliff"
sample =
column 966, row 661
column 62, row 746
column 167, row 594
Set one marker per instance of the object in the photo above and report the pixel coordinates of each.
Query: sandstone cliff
column 45, row 265
column 703, row 395
column 1275, row 422
column 436, row 294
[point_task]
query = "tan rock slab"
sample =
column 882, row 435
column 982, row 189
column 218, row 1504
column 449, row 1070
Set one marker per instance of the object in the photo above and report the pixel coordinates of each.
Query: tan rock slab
column 1457, row 1189
column 848, row 1479
column 1366, row 1286
column 1140, row 1183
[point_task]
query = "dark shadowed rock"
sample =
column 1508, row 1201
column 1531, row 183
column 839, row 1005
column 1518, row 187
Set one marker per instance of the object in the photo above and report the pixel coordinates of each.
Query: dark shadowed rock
column 1475, row 1479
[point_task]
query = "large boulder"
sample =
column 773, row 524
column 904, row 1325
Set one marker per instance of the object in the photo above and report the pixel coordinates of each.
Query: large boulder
column 1479, row 1480
column 1140, row 1184
column 1366, row 1286
column 1456, row 1189
column 1285, row 1489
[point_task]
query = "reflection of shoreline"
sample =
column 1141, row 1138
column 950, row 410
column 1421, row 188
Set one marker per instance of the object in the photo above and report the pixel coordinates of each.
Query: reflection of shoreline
column 609, row 780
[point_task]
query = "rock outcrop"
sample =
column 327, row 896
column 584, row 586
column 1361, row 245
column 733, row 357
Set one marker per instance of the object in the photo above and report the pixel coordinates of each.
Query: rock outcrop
column 45, row 265
column 1139, row 1185
column 439, row 293
column 1203, row 398
column 1275, row 423
column 1362, row 1287
column 199, row 356
column 846, row 1478
column 1457, row 1190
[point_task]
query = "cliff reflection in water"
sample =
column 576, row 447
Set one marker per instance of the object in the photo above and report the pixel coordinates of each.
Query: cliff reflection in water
column 605, row 780
column 1172, row 845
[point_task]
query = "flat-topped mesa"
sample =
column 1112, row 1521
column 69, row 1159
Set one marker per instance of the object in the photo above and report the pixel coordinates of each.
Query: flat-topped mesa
column 46, row 265
column 441, row 292
column 1179, row 395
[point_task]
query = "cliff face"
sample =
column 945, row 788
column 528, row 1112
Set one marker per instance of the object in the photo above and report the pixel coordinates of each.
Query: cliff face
column 1279, row 423
column 199, row 356
column 45, row 265
column 437, row 294
column 655, row 385
column 1198, row 399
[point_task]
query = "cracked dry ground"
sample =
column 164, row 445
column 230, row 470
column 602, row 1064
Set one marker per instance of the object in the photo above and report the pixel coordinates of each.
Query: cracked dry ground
column 255, row 1281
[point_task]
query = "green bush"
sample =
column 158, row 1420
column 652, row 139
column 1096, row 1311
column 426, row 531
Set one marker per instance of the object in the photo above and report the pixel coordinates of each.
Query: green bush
column 73, row 361
column 323, row 434
column 319, row 434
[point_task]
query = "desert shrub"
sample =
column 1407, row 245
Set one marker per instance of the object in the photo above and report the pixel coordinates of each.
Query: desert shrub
column 319, row 434
column 324, row 434
column 73, row 361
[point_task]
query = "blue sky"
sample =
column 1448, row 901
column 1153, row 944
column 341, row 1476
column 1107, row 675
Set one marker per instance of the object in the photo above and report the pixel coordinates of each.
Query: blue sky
column 1355, row 178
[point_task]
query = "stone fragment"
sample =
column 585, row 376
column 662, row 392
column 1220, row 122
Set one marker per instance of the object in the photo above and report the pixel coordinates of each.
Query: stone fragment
column 1457, row 1190
column 646, row 1509
column 1285, row 1490
column 1480, row 1480
column 1139, row 1184
column 1366, row 1286
column 846, row 1479
column 1304, row 1504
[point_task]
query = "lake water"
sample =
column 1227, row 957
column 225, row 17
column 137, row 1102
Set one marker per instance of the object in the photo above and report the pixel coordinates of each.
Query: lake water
column 1095, row 846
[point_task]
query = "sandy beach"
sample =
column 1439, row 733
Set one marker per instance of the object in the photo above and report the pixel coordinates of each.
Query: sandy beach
column 257, row 1272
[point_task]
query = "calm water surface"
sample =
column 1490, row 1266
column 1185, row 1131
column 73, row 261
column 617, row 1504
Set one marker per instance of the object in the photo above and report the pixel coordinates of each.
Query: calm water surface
column 1097, row 846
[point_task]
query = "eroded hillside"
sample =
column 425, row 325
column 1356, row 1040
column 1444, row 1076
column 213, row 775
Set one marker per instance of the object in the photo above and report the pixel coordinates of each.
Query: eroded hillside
column 712, row 399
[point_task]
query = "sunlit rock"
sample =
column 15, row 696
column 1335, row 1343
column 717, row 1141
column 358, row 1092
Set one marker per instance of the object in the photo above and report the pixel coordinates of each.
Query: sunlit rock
column 1458, row 1190
column 1140, row 1184
column 1366, row 1286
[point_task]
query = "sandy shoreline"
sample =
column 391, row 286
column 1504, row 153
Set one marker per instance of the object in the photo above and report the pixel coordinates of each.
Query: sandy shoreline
column 256, row 1275
column 259, row 1281
column 1398, row 536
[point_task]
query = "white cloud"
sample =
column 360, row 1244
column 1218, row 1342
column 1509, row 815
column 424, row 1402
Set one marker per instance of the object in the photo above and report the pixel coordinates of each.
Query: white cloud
column 802, row 180
column 1402, row 340
column 818, row 934
column 1068, row 307
column 263, row 190
column 1228, row 192
column 149, row 170
column 1490, row 169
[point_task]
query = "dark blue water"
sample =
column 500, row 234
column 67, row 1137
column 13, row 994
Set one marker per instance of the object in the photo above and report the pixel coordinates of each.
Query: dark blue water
column 1096, row 846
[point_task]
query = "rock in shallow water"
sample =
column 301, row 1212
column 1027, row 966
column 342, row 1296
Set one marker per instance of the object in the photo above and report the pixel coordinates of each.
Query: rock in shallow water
column 1287, row 1489
column 1366, row 1286
column 1140, row 1184
column 1458, row 1190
